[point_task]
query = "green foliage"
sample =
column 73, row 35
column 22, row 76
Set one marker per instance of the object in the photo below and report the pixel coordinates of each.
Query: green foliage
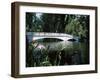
column 36, row 56
column 33, row 23
column 77, row 25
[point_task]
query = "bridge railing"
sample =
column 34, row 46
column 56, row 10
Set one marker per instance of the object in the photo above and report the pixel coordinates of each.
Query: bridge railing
column 48, row 34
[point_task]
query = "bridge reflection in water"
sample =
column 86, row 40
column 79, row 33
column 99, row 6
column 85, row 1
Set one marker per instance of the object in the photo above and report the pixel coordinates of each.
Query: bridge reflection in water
column 40, row 35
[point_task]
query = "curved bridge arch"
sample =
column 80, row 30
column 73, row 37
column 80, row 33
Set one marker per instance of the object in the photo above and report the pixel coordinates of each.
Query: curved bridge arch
column 40, row 35
column 61, row 38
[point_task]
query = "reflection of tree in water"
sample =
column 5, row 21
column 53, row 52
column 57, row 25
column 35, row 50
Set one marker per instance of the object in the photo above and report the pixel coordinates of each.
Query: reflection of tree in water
column 43, row 56
column 76, row 57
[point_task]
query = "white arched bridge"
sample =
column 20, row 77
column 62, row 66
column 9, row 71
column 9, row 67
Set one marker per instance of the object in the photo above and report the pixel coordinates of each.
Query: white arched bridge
column 41, row 35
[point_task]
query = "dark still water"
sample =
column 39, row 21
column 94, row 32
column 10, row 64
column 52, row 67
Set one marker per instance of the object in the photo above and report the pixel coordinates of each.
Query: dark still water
column 59, row 53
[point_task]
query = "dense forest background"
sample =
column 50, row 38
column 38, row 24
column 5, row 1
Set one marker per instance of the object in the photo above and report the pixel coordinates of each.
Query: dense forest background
column 74, row 24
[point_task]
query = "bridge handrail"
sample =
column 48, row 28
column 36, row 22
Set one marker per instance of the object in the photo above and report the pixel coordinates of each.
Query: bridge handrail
column 48, row 34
